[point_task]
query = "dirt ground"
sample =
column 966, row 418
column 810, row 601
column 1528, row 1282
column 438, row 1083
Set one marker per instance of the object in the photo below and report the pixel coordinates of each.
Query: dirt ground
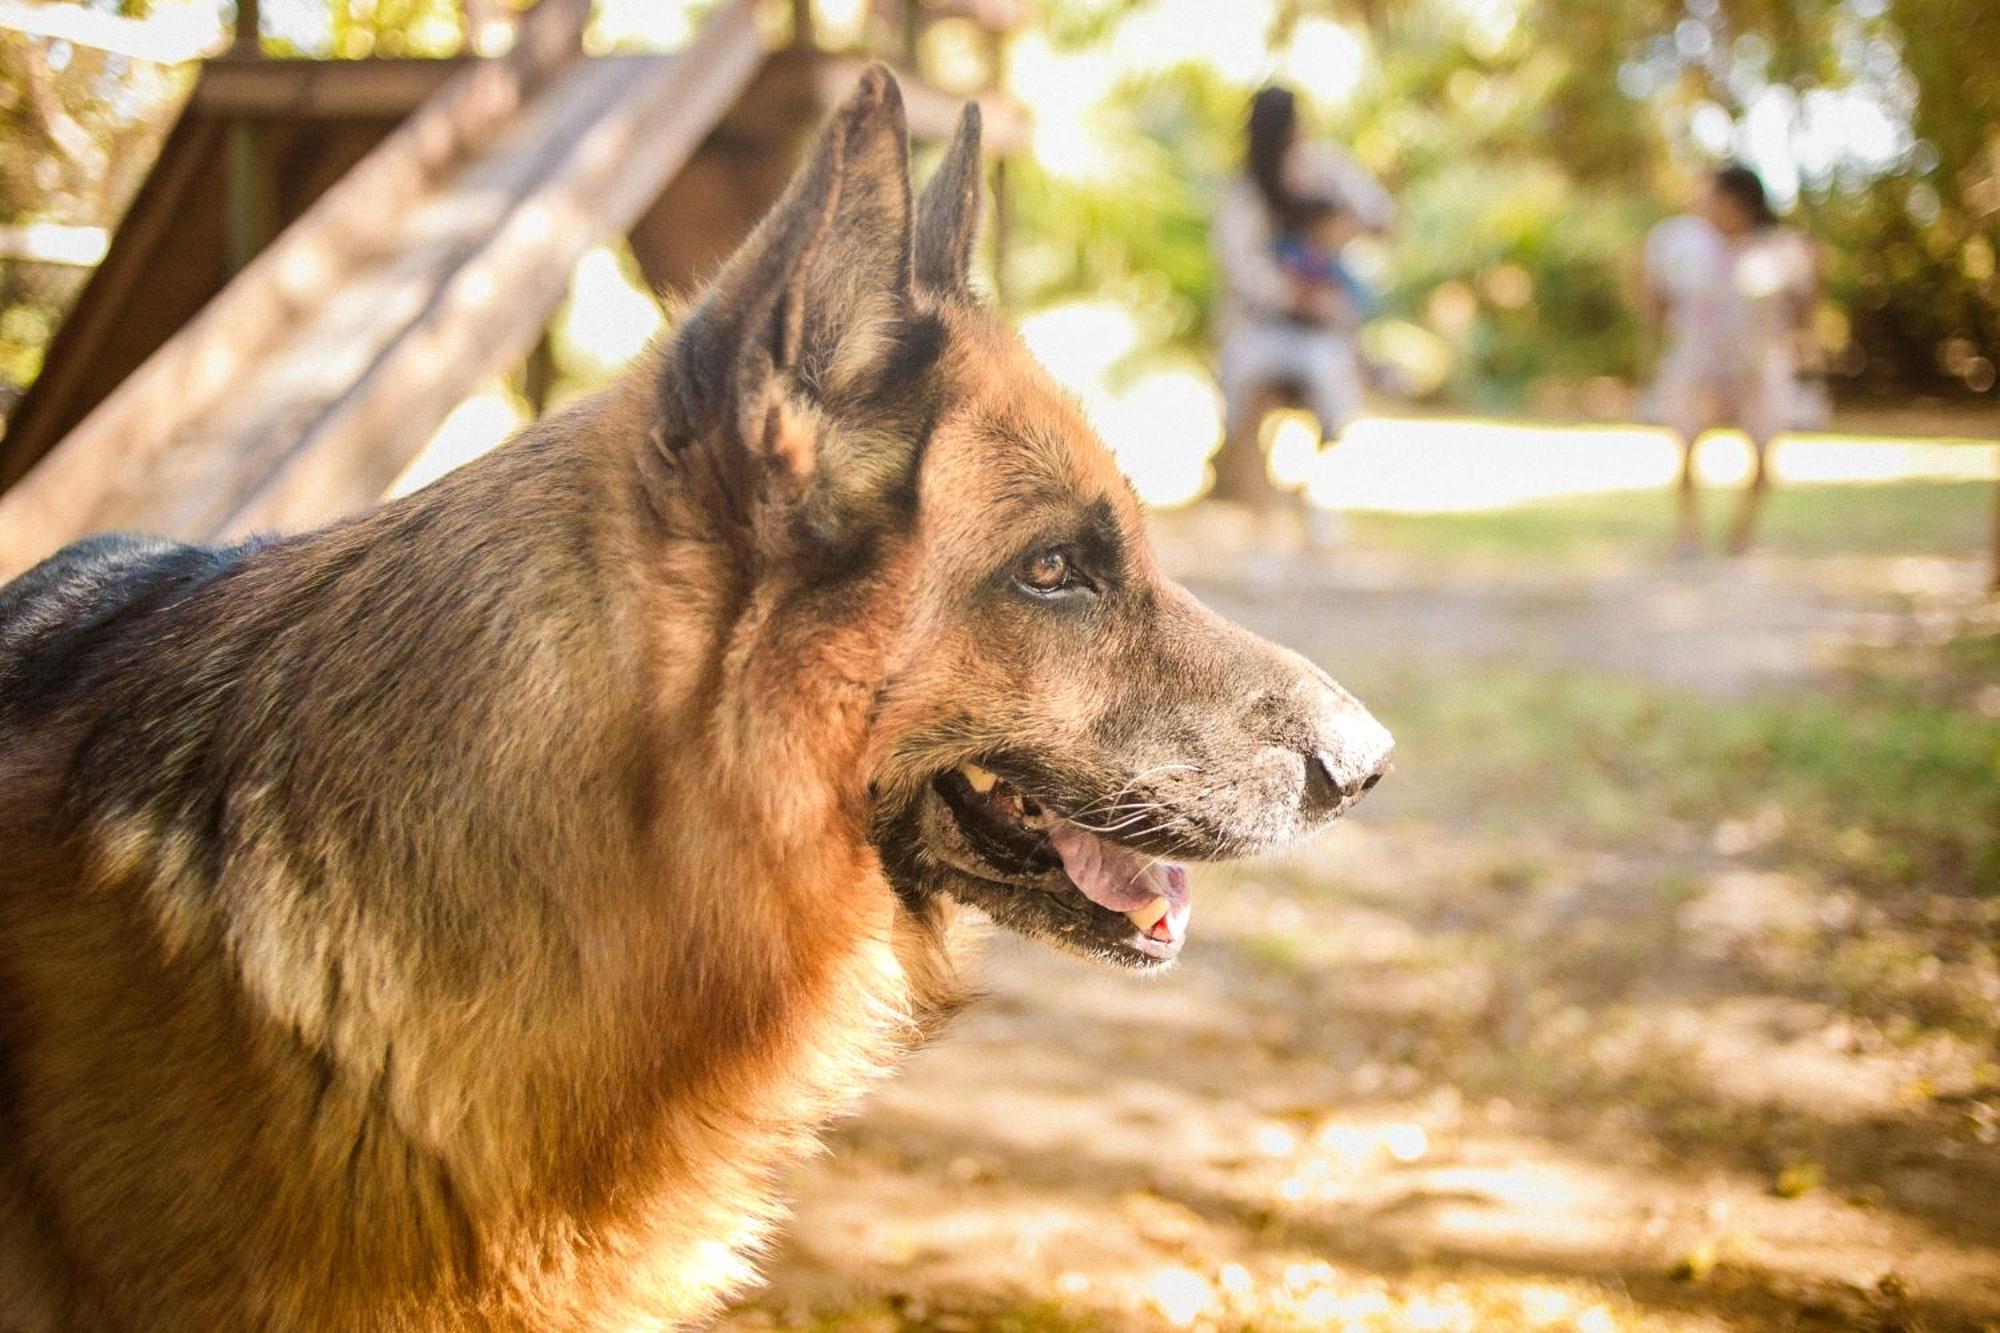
column 1594, row 1030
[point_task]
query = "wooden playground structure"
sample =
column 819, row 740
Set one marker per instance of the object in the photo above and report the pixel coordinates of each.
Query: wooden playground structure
column 328, row 256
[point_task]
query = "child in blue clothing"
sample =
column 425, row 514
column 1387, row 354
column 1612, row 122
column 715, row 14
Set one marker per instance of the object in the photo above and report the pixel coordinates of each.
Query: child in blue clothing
column 1309, row 247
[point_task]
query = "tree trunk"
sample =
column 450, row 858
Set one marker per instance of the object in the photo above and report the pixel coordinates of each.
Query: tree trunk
column 1241, row 475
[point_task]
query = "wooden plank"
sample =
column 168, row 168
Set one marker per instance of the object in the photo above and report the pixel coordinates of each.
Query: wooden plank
column 250, row 195
column 594, row 157
column 372, row 89
column 96, row 477
column 249, row 25
column 165, row 262
column 706, row 211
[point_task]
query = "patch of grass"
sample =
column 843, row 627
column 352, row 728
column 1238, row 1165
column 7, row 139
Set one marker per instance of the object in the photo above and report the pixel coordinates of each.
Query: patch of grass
column 1878, row 797
column 1517, row 874
column 1555, row 529
column 1891, row 518
column 1877, row 786
column 1903, row 978
column 1281, row 951
column 1963, row 670
column 1973, row 657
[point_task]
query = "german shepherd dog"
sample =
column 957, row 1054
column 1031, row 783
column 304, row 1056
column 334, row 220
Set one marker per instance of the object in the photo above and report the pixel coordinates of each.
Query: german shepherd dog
column 454, row 917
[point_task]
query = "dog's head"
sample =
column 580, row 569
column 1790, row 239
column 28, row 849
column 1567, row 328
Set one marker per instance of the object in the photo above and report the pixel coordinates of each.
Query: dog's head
column 1053, row 721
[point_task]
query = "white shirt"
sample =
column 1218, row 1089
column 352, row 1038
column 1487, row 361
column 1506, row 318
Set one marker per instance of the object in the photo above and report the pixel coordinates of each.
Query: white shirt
column 1732, row 304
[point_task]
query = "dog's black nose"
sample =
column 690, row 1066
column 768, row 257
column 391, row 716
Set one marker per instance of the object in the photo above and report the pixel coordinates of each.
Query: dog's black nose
column 1336, row 779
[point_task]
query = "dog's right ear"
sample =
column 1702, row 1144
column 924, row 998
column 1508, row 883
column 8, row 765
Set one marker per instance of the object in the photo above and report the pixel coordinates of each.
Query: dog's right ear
column 948, row 213
column 803, row 306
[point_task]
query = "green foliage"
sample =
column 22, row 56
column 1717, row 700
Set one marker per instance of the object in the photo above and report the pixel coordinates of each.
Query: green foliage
column 1145, row 234
column 78, row 130
column 1468, row 229
column 397, row 27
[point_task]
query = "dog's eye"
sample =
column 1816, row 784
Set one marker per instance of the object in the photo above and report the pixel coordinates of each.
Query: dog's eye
column 1046, row 572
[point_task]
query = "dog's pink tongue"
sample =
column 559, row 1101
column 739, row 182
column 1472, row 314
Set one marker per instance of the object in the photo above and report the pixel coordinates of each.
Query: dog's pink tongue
column 1124, row 880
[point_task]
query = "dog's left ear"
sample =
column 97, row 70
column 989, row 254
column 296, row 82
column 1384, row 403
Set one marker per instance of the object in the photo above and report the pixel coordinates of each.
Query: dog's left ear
column 948, row 213
column 810, row 305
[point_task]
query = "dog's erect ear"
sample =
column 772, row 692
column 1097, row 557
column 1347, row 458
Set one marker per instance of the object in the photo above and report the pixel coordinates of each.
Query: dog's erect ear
column 806, row 302
column 948, row 213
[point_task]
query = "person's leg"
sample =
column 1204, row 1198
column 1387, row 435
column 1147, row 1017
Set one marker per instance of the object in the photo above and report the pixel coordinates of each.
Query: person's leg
column 1684, row 407
column 1251, row 361
column 1238, row 366
column 1331, row 377
column 1761, row 408
column 1331, row 373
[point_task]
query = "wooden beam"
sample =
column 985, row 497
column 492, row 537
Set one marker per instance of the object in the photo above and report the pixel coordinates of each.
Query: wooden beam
column 250, row 209
column 1002, row 230
column 73, row 373
column 379, row 88
column 539, row 374
column 106, row 472
column 249, row 35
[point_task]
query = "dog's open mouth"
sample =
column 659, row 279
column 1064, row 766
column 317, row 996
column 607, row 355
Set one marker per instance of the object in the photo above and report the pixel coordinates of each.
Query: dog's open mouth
column 1049, row 874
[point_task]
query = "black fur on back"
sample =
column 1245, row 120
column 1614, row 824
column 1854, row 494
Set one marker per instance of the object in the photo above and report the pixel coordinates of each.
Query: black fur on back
column 76, row 608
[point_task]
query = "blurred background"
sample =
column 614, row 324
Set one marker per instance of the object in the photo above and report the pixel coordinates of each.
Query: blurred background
column 1658, row 989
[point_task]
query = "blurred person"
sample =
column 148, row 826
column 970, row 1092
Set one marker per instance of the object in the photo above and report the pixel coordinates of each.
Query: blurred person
column 1283, row 326
column 1730, row 291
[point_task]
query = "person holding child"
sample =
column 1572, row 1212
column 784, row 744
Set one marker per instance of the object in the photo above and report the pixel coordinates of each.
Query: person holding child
column 1291, row 304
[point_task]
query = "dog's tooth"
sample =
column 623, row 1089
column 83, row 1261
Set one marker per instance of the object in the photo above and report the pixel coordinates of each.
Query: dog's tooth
column 981, row 780
column 1145, row 918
